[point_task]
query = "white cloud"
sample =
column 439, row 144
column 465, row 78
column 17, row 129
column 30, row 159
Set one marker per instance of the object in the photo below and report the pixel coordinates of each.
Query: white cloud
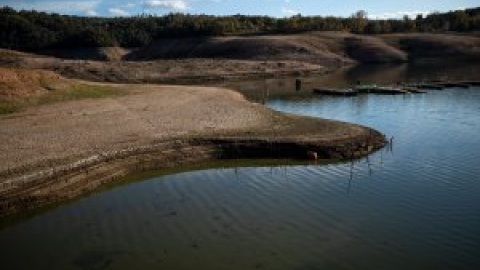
column 118, row 12
column 91, row 13
column 398, row 14
column 289, row 11
column 87, row 7
column 130, row 5
column 179, row 5
column 121, row 10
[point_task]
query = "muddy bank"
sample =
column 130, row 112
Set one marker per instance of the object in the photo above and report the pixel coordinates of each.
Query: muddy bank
column 31, row 190
column 60, row 151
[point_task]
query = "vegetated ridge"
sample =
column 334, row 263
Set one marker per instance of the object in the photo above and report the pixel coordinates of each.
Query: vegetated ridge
column 32, row 30
column 179, row 47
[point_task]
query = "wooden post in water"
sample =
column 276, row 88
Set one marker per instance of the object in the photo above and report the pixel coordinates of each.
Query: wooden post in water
column 298, row 84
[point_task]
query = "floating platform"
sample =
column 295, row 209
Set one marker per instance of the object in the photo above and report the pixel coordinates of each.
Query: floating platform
column 429, row 86
column 384, row 90
column 388, row 90
column 454, row 84
column 365, row 88
column 471, row 83
column 335, row 92
column 440, row 85
column 414, row 90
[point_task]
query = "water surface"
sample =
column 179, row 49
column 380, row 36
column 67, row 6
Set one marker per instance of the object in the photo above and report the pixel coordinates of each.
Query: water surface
column 413, row 205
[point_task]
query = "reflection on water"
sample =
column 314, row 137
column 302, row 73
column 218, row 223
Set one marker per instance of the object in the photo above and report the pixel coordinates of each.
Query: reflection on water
column 413, row 205
column 263, row 89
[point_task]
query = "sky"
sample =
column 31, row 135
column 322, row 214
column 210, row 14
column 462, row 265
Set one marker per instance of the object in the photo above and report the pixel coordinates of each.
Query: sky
column 275, row 8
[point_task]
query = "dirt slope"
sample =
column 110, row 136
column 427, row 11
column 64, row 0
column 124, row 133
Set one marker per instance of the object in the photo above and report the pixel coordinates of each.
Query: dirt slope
column 325, row 48
column 436, row 46
column 220, row 58
column 22, row 83
column 293, row 47
column 373, row 50
column 99, row 54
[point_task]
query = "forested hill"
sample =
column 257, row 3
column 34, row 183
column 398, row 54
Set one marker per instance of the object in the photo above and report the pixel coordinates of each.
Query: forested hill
column 31, row 30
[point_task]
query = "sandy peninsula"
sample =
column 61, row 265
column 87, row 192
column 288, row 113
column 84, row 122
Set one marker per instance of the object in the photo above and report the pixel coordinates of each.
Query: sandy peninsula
column 58, row 151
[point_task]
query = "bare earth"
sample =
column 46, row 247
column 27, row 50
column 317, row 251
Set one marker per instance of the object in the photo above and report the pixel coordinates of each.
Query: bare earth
column 227, row 58
column 86, row 127
column 51, row 153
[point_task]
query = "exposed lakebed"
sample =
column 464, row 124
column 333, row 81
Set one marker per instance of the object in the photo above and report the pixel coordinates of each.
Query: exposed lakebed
column 414, row 204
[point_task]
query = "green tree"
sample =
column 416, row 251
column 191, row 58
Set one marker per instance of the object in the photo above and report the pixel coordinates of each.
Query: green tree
column 408, row 24
column 359, row 21
column 373, row 27
column 459, row 21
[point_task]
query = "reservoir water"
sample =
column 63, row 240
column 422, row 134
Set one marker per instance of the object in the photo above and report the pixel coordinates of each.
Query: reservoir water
column 413, row 205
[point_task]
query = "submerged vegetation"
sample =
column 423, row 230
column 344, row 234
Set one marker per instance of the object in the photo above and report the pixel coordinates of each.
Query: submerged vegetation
column 33, row 30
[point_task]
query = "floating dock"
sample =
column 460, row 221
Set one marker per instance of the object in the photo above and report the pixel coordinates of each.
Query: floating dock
column 414, row 90
column 471, row 83
column 388, row 90
column 454, row 85
column 399, row 89
column 335, row 92
column 440, row 85
column 428, row 86
column 384, row 90
column 365, row 88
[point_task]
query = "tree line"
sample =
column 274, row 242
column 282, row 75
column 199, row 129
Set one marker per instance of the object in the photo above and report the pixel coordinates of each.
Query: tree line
column 33, row 30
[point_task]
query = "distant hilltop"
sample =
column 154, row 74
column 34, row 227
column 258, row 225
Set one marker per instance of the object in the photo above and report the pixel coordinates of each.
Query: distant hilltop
column 33, row 31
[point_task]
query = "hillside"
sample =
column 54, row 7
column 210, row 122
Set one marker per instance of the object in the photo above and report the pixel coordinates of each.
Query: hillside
column 328, row 49
column 324, row 48
column 373, row 50
column 234, row 57
column 22, row 83
column 34, row 30
column 91, row 53
column 431, row 46
column 304, row 48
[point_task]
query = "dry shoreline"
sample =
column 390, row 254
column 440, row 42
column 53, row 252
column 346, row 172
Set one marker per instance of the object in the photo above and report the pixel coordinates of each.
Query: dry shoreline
column 57, row 152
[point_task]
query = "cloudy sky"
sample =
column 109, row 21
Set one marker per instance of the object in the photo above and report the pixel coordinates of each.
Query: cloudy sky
column 276, row 8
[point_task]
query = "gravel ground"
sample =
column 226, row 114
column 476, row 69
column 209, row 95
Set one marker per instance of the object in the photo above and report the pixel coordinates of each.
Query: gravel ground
column 63, row 132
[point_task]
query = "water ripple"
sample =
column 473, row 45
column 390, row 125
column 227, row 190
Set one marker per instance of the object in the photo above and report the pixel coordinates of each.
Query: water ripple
column 411, row 205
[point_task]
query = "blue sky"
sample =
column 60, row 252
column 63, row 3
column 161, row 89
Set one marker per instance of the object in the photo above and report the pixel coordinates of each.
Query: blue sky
column 276, row 8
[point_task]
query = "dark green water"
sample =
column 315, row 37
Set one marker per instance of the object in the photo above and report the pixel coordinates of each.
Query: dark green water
column 415, row 205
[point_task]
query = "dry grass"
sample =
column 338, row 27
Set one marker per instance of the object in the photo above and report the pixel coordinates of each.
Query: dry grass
column 8, row 107
column 10, row 53
column 21, row 83
column 98, row 54
column 20, row 89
